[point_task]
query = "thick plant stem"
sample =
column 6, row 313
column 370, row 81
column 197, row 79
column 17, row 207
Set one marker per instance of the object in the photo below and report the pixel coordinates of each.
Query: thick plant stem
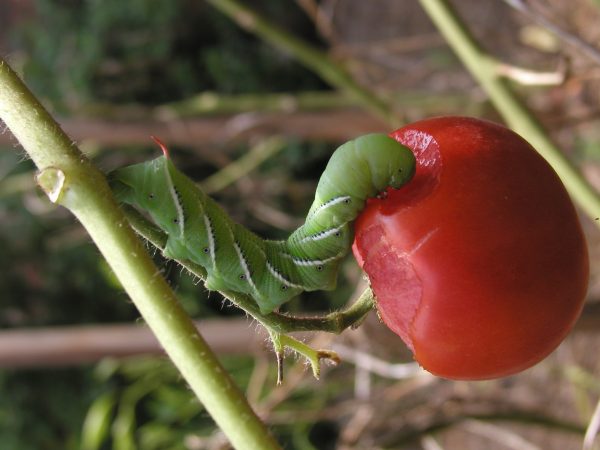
column 311, row 57
column 71, row 180
column 485, row 70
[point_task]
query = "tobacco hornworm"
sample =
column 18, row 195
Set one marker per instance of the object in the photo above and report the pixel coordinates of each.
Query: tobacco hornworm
column 235, row 259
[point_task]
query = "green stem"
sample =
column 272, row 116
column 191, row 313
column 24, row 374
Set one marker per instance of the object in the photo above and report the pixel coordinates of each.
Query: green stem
column 313, row 356
column 211, row 103
column 334, row 322
column 70, row 179
column 243, row 165
column 208, row 104
column 517, row 116
column 311, row 57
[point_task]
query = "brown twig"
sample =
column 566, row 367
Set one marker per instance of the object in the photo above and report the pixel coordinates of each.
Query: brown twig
column 60, row 346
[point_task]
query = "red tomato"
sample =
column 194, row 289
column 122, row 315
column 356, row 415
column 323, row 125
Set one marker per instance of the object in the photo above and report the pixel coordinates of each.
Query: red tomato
column 479, row 263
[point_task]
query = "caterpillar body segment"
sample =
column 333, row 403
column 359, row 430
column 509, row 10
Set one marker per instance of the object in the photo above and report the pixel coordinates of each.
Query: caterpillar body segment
column 235, row 259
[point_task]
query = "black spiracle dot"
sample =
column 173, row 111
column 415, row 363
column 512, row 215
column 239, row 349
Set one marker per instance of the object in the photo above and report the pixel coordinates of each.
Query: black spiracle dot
column 178, row 195
column 205, row 250
column 284, row 287
column 242, row 277
column 347, row 201
column 319, row 268
column 151, row 196
column 176, row 220
column 337, row 234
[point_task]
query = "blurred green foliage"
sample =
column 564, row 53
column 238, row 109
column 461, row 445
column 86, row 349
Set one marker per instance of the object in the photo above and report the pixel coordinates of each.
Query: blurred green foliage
column 43, row 409
column 149, row 52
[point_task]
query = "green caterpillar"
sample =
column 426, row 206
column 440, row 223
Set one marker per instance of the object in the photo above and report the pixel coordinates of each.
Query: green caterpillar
column 272, row 272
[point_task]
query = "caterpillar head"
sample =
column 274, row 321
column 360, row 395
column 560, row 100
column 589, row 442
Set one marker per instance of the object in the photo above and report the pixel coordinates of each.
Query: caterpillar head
column 390, row 163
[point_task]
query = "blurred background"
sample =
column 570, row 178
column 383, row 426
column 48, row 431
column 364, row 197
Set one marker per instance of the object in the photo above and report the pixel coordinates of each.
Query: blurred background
column 115, row 72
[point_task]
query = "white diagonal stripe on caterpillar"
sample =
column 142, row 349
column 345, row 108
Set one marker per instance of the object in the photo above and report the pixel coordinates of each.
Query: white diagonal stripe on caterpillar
column 329, row 203
column 282, row 279
column 322, row 234
column 312, row 262
column 178, row 207
column 211, row 239
column 245, row 267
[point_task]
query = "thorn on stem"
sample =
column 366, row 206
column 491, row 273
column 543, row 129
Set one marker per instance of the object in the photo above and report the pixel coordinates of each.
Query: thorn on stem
column 52, row 181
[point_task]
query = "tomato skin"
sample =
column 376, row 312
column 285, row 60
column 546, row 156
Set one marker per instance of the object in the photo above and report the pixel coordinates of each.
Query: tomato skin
column 479, row 263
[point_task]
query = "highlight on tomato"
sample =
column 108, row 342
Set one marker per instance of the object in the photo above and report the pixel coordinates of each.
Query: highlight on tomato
column 479, row 263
